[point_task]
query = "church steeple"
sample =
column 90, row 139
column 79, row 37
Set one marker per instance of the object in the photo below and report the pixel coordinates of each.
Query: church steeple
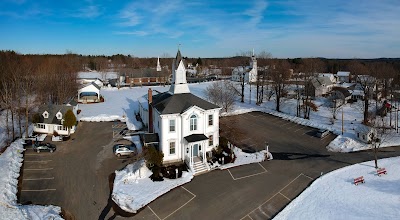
column 158, row 65
column 179, row 83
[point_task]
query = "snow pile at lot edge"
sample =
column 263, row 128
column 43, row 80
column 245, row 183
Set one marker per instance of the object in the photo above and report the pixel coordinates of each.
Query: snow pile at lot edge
column 243, row 158
column 345, row 144
column 10, row 163
column 334, row 195
column 133, row 189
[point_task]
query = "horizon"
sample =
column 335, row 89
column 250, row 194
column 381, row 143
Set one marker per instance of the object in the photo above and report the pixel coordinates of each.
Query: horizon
column 290, row 29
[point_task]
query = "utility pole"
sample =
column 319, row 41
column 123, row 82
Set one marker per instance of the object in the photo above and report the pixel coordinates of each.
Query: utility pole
column 243, row 87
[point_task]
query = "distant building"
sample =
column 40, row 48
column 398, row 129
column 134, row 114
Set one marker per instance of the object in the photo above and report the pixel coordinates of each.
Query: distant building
column 249, row 73
column 343, row 76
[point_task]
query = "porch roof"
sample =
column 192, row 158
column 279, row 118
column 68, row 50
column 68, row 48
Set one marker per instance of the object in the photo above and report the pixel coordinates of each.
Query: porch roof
column 195, row 137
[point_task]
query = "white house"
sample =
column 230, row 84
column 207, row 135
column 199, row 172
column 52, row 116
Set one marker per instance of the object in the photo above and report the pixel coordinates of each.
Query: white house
column 187, row 126
column 89, row 93
column 249, row 72
column 52, row 117
column 366, row 134
column 322, row 85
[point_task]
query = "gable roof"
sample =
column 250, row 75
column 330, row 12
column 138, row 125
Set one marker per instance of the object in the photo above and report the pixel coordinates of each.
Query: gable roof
column 342, row 90
column 166, row 103
column 343, row 73
column 318, row 81
column 52, row 110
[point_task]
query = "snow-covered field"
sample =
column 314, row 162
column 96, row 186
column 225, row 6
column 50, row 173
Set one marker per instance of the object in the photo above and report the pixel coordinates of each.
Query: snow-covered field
column 133, row 189
column 334, row 196
column 10, row 164
column 122, row 104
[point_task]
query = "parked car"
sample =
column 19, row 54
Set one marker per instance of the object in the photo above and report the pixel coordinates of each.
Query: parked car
column 39, row 147
column 124, row 150
column 322, row 133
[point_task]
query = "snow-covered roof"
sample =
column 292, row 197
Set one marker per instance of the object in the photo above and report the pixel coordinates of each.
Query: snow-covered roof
column 97, row 75
column 343, row 73
column 357, row 92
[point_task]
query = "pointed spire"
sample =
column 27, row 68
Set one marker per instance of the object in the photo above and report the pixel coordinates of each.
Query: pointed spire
column 179, row 83
column 158, row 65
column 253, row 52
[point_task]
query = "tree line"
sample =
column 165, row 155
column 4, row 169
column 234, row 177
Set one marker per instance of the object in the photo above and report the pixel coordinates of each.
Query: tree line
column 27, row 81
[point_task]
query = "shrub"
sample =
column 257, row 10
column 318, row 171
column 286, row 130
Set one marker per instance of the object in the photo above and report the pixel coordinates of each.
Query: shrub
column 223, row 142
column 153, row 157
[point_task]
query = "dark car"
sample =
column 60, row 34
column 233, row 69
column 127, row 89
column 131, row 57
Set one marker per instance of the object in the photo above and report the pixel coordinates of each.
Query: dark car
column 39, row 147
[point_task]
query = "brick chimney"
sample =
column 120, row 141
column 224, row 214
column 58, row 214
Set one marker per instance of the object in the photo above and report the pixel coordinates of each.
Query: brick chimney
column 150, row 98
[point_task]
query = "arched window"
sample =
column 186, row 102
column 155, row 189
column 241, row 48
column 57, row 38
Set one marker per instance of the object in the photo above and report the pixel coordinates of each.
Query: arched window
column 193, row 122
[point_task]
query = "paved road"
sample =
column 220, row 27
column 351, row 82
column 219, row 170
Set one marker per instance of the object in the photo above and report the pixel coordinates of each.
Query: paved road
column 255, row 191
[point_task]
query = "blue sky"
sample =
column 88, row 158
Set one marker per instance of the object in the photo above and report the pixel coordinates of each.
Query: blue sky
column 204, row 28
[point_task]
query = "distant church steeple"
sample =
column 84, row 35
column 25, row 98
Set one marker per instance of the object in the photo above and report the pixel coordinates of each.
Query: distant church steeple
column 179, row 83
column 158, row 65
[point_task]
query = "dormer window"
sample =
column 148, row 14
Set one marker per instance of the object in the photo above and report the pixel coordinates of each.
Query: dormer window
column 45, row 114
column 59, row 115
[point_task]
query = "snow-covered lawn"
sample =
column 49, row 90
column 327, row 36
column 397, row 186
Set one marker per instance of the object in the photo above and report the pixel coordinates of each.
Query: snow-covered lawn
column 334, row 196
column 10, row 164
column 133, row 189
column 122, row 104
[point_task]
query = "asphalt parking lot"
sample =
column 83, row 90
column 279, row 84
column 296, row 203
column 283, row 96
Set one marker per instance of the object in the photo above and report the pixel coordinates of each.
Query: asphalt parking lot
column 75, row 176
column 260, row 190
column 81, row 167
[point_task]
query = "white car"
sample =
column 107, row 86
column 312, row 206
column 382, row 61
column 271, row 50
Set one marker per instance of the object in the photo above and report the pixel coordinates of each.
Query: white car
column 123, row 150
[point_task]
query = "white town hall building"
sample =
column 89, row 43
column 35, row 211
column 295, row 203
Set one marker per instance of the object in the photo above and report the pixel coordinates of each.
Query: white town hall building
column 187, row 126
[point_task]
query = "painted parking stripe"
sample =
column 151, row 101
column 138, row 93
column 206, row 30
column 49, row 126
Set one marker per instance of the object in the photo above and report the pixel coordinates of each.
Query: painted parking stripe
column 37, row 161
column 285, row 123
column 37, row 190
column 38, row 169
column 302, row 127
column 33, row 179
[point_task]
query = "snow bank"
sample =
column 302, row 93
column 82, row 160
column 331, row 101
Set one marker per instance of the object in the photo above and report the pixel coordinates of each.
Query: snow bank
column 334, row 196
column 136, row 140
column 243, row 158
column 133, row 189
column 10, row 163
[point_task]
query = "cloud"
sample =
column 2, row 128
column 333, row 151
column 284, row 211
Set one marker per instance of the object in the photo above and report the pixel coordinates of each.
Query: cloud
column 130, row 18
column 90, row 11
column 137, row 33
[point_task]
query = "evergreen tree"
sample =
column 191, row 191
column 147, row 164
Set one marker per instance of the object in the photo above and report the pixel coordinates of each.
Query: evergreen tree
column 69, row 120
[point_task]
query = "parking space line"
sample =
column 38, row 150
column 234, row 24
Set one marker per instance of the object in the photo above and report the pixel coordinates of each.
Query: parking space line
column 279, row 192
column 294, row 124
column 38, row 169
column 194, row 196
column 285, row 196
column 265, row 171
column 37, row 161
column 285, row 123
column 307, row 176
column 37, row 190
column 302, row 127
column 250, row 217
column 49, row 178
column 154, row 212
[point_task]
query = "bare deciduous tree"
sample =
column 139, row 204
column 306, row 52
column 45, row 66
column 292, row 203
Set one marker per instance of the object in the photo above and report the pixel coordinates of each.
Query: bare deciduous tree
column 279, row 74
column 223, row 94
